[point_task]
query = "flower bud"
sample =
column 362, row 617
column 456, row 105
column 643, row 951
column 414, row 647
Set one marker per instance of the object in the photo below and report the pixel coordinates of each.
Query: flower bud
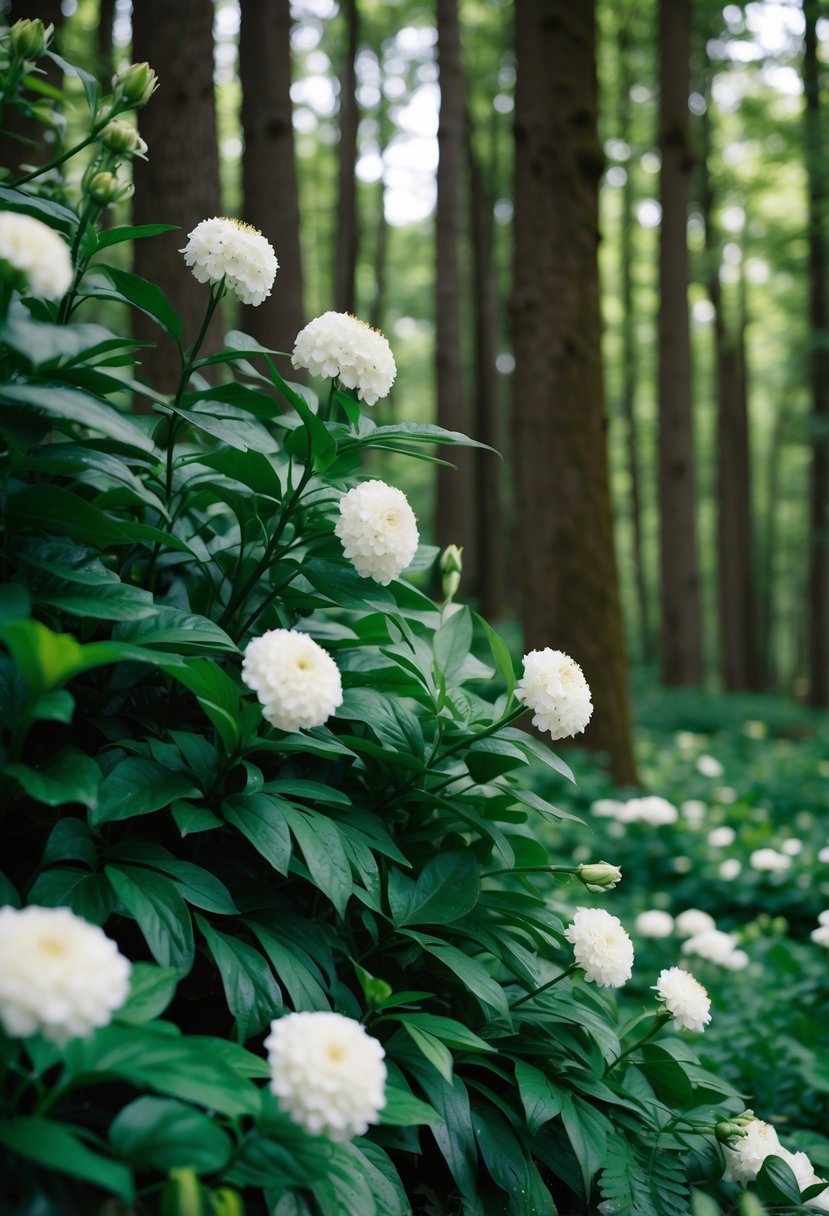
column 182, row 1194
column 29, row 38
column 105, row 189
column 122, row 138
column 451, row 566
column 599, row 876
column 135, row 84
column 728, row 1130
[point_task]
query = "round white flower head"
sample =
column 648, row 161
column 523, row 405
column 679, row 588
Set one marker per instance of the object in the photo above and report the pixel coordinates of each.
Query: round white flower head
column 722, row 837
column 823, row 855
column 713, row 944
column 601, row 947
column 694, row 811
column 694, row 921
column 59, row 976
column 223, row 250
column 378, row 530
column 37, row 253
column 744, row 1159
column 685, row 998
column 820, row 935
column 554, row 688
column 769, row 861
column 709, row 766
column 337, row 344
column 654, row 923
column 607, row 808
column 823, row 917
column 297, row 682
column 327, row 1072
column 730, row 869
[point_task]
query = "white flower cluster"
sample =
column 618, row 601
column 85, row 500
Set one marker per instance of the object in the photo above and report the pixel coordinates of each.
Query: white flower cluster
column 769, row 861
column 601, row 947
column 694, row 811
column 378, row 530
column 654, row 923
column 821, row 933
column 222, row 250
column 554, row 688
column 37, row 253
column 297, row 682
column 653, row 810
column 337, row 344
column 59, row 976
column 693, row 921
column 717, row 947
column 327, row 1072
column 685, row 998
column 709, row 766
column 744, row 1158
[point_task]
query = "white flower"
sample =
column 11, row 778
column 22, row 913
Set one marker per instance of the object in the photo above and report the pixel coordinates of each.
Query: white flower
column 744, row 1159
column 602, row 948
column 59, row 976
column 713, row 944
column 770, row 861
column 653, row 810
column 607, row 808
column 730, row 869
column 709, row 766
column 823, row 917
column 223, row 250
column 654, row 923
column 337, row 344
column 804, row 1172
column 296, row 681
column 820, row 935
column 554, row 687
column 721, row 838
column 685, row 998
column 792, row 847
column 378, row 530
column 694, row 921
column 694, row 811
column 327, row 1072
column 37, row 252
column 726, row 795
column 823, row 855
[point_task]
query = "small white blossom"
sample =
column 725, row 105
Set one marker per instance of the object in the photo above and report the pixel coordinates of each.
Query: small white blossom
column 730, row 869
column 607, row 808
column 694, row 921
column 297, row 682
column 222, row 250
column 654, row 923
column 694, row 810
column 653, row 810
column 554, row 687
column 601, row 947
column 378, row 530
column 337, row 344
column 792, row 847
column 37, row 253
column 746, row 1156
column 709, row 766
column 59, row 976
column 327, row 1072
column 713, row 944
column 721, row 838
column 685, row 998
column 820, row 935
column 823, row 917
column 823, row 855
column 770, row 861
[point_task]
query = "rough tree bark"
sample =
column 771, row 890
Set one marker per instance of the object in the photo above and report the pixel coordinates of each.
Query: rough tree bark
column 179, row 183
column 566, row 561
column 345, row 253
column 681, row 629
column 269, row 179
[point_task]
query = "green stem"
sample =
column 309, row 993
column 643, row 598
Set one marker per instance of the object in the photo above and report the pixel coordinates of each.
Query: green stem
column 488, row 730
column 537, row 991
column 80, row 266
column 266, row 602
column 58, row 160
column 533, row 870
column 187, row 363
column 660, row 1018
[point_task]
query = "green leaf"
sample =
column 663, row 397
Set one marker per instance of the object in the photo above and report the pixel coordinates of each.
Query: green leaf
column 587, row 1132
column 448, row 1030
column 253, row 995
column 45, row 209
column 60, row 401
column 489, row 758
column 446, row 889
column 231, row 426
column 138, row 786
column 436, row 1052
column 183, row 631
column 776, row 1183
column 151, row 990
column 452, row 643
column 62, row 512
column 537, row 749
column 88, row 895
column 321, row 843
column 540, row 1097
column 110, row 283
column 162, row 915
column 403, row 1109
column 128, row 232
column 59, row 1146
column 471, row 973
column 261, row 818
column 293, row 968
column 70, row 840
column 322, row 444
column 193, row 819
column 501, row 655
column 163, row 1133
column 217, row 694
column 69, row 776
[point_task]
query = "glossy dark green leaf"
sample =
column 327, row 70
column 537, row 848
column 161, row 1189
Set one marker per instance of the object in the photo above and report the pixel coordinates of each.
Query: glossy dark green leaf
column 446, row 889
column 322, row 848
column 46, row 209
column 323, row 446
column 130, row 232
column 110, row 283
column 69, row 776
column 217, row 694
column 163, row 1133
column 89, row 895
column 403, row 1109
column 253, row 995
column 184, row 631
column 138, row 786
column 60, row 401
column 155, row 903
column 59, row 1146
column 540, row 1097
column 151, row 990
column 261, row 818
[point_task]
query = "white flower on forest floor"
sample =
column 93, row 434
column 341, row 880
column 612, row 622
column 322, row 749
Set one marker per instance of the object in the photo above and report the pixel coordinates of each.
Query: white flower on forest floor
column 693, row 921
column 339, row 345
column 378, row 530
column 823, row 917
column 59, row 976
column 554, row 688
column 820, row 935
column 769, row 861
column 717, row 947
column 694, row 811
column 730, row 869
column 654, row 810
column 709, row 766
column 722, row 837
column 745, row 1157
column 685, row 998
column 823, row 855
column 327, row 1073
column 297, row 682
column 654, row 923
column 222, row 250
column 37, row 254
column 601, row 947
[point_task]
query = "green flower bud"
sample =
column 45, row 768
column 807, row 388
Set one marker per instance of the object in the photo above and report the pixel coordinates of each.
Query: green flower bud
column 105, row 189
column 226, row 1202
column 451, row 565
column 135, row 85
column 728, row 1130
column 182, row 1194
column 29, row 38
column 599, row 876
column 122, row 138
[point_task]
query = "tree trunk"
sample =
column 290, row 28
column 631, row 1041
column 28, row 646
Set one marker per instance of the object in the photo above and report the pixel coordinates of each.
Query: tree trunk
column 269, row 179
column 455, row 518
column 818, row 628
column 381, row 246
column 566, row 560
column 345, row 256
column 179, row 184
column 681, row 635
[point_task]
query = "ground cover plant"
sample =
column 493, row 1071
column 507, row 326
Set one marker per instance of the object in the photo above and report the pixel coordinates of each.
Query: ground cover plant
column 280, row 931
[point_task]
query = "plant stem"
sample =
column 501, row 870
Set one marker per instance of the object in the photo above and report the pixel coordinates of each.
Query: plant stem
column 537, row 991
column 187, row 363
column 58, row 160
column 660, row 1018
column 533, row 870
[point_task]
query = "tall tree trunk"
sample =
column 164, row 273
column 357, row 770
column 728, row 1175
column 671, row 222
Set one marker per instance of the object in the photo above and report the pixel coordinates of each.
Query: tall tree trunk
column 566, row 560
column 106, row 19
column 378, row 301
column 769, row 559
column 488, row 500
column 455, row 514
column 179, row 184
column 629, row 352
column 818, row 629
column 269, row 179
column 681, row 633
column 345, row 255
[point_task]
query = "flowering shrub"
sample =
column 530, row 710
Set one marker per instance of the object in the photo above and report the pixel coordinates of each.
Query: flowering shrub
column 284, row 803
